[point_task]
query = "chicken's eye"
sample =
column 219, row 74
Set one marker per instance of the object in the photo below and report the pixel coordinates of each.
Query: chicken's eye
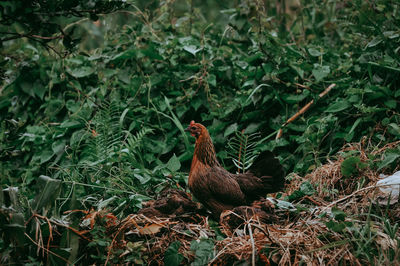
column 193, row 128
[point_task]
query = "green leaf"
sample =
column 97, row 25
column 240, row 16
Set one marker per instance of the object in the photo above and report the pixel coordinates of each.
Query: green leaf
column 49, row 191
column 295, row 98
column 229, row 130
column 81, row 71
column 39, row 89
column 320, row 72
column 77, row 137
column 58, row 146
column 191, row 49
column 196, row 103
column 298, row 69
column 131, row 53
column 172, row 257
column 391, row 103
column 174, row 164
column 45, row 156
column 307, row 188
column 27, row 87
column 314, row 52
column 267, row 68
column 338, row 214
column 338, row 106
column 390, row 157
column 72, row 106
column 212, row 80
column 204, row 251
column 142, row 177
column 394, row 129
column 335, row 226
column 374, row 42
column 355, row 125
column 350, row 166
column 70, row 124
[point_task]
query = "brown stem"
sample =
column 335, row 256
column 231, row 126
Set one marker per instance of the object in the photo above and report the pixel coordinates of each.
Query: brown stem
column 303, row 110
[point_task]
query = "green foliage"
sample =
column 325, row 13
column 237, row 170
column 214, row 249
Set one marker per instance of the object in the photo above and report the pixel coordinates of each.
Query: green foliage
column 41, row 21
column 338, row 224
column 306, row 189
column 391, row 156
column 351, row 166
column 49, row 192
column 242, row 149
column 102, row 125
column 203, row 250
column 362, row 235
column 172, row 257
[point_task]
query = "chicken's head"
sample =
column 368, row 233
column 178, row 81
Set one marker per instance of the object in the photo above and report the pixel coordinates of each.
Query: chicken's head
column 195, row 129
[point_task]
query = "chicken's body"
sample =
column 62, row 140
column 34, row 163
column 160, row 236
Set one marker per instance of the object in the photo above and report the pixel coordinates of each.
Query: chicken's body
column 220, row 190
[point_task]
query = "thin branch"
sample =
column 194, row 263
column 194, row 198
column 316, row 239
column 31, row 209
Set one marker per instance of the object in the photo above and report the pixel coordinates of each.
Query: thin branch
column 79, row 233
column 253, row 247
column 35, row 38
column 47, row 38
column 49, row 251
column 359, row 191
column 45, row 45
column 30, row 36
column 303, row 110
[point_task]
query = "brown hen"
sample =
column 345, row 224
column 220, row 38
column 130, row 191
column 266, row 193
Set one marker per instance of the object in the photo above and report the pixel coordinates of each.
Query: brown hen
column 219, row 190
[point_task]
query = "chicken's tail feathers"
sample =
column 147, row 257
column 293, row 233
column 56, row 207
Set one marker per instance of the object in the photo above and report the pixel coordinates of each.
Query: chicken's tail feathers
column 270, row 170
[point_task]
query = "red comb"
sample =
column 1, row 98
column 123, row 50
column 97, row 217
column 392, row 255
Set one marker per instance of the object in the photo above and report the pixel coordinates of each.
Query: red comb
column 192, row 122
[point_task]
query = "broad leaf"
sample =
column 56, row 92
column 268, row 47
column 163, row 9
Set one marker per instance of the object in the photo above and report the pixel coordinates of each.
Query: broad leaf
column 320, row 72
column 338, row 106
column 172, row 257
column 174, row 164
column 81, row 71
column 49, row 191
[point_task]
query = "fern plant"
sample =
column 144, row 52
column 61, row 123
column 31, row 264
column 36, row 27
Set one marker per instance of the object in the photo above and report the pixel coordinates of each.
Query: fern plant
column 242, row 149
column 134, row 147
column 106, row 133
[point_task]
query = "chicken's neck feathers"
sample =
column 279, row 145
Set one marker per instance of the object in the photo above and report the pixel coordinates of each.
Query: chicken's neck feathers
column 204, row 150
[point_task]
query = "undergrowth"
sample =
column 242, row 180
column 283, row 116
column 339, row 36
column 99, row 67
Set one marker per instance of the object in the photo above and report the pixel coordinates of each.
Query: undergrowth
column 99, row 128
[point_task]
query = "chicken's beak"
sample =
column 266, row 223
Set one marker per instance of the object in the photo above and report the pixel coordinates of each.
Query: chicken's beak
column 187, row 129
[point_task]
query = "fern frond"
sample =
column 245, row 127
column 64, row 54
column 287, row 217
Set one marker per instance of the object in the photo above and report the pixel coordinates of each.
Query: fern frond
column 242, row 150
column 105, row 124
column 134, row 144
column 134, row 141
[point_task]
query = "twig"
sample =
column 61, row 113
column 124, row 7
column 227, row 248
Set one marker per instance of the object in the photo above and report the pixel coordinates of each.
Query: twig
column 358, row 191
column 303, row 110
column 49, row 251
column 302, row 86
column 115, row 237
column 18, row 36
column 312, row 200
column 50, row 238
column 220, row 252
column 47, row 38
column 253, row 247
column 79, row 233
